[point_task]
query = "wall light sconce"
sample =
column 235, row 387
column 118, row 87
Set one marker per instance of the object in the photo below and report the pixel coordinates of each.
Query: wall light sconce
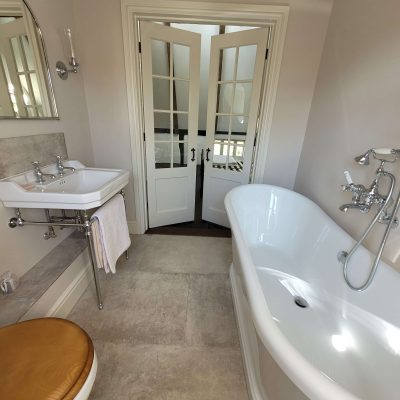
column 61, row 68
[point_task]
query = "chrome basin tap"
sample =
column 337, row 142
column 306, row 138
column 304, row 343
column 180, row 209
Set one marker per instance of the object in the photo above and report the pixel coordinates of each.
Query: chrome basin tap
column 39, row 174
column 61, row 168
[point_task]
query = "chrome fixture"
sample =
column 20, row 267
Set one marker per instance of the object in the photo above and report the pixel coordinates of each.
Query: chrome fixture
column 40, row 176
column 51, row 233
column 363, row 159
column 363, row 199
column 81, row 221
column 61, row 68
column 61, row 168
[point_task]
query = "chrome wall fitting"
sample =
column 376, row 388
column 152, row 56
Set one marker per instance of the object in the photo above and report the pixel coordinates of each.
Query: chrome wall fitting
column 61, row 68
column 363, row 199
column 63, row 71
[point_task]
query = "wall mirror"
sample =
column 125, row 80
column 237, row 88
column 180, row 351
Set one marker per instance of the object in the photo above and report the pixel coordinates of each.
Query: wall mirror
column 26, row 90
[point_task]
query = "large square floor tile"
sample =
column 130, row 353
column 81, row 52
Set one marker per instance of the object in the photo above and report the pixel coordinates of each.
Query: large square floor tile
column 168, row 373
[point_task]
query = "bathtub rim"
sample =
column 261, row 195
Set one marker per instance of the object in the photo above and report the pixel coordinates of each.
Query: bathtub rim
column 309, row 379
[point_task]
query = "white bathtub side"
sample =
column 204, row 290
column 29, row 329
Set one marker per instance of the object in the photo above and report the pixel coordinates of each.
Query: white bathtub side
column 306, row 377
column 265, row 379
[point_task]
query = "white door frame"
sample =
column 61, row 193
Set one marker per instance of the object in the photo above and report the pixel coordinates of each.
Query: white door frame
column 133, row 11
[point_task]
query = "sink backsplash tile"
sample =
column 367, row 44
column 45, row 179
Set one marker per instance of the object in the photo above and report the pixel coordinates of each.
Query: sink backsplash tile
column 17, row 153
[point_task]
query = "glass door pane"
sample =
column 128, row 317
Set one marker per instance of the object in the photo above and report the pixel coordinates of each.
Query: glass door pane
column 235, row 85
column 171, row 103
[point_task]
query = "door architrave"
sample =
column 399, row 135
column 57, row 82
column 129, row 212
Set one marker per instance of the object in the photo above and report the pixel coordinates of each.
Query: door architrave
column 133, row 11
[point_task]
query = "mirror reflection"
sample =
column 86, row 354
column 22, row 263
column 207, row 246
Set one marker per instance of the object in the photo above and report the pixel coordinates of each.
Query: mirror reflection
column 25, row 85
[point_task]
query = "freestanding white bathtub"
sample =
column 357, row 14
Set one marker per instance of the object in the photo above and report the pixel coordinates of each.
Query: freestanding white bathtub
column 345, row 344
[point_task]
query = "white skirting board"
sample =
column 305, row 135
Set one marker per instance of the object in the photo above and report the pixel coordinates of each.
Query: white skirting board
column 132, row 227
column 248, row 339
column 63, row 294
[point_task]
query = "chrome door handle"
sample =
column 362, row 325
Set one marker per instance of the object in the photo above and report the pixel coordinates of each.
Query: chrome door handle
column 207, row 152
column 193, row 150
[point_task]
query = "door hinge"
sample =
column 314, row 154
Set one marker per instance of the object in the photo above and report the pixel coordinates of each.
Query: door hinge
column 266, row 53
column 140, row 47
column 144, row 136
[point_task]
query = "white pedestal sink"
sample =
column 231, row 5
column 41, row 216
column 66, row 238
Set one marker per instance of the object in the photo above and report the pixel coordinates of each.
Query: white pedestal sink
column 83, row 189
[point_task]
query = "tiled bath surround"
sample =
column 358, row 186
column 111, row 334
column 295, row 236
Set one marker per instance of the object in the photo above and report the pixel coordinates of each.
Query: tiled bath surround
column 167, row 330
column 17, row 153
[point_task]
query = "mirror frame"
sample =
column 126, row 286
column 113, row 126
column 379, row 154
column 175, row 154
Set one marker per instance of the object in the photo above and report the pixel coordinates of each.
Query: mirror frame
column 46, row 71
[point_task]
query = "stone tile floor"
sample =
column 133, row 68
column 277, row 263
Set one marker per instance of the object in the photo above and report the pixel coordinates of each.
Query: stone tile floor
column 167, row 330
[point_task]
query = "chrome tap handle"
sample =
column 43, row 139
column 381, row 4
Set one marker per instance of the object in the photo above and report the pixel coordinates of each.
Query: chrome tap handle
column 59, row 160
column 61, row 167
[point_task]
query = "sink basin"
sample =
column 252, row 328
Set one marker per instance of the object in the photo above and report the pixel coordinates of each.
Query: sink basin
column 83, row 189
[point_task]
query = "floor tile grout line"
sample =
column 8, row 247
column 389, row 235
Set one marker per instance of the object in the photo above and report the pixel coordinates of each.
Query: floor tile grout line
column 186, row 341
column 181, row 273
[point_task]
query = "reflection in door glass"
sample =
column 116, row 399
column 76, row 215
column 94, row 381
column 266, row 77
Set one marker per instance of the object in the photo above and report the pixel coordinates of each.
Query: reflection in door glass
column 225, row 97
column 241, row 101
column 239, row 126
column 160, row 57
column 246, row 62
column 162, row 154
column 227, row 64
column 181, row 56
column 181, row 95
column 162, row 123
column 229, row 141
column 222, row 125
column 161, row 94
column 180, row 124
column 233, row 100
column 180, row 154
column 17, row 54
column 228, row 154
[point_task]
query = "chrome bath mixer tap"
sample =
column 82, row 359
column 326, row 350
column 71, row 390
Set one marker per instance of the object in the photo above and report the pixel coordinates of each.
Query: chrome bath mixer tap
column 363, row 199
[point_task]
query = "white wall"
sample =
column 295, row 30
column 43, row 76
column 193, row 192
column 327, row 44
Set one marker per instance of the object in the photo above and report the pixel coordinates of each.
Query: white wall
column 100, row 48
column 101, row 54
column 355, row 107
column 21, row 248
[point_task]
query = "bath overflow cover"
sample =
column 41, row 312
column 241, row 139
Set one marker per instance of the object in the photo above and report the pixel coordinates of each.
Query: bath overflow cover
column 300, row 301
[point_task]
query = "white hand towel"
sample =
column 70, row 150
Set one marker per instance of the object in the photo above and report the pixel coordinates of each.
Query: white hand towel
column 110, row 233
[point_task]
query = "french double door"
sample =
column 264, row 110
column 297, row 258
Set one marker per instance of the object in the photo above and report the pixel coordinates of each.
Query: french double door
column 171, row 79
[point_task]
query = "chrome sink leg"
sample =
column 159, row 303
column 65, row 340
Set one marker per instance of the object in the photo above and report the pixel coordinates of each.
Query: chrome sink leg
column 51, row 233
column 89, row 238
column 122, row 192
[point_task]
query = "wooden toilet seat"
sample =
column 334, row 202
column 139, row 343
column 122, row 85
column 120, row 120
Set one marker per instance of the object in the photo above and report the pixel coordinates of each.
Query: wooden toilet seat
column 44, row 359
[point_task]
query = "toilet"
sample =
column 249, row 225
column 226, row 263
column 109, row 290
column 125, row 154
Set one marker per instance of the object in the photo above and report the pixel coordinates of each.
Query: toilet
column 46, row 359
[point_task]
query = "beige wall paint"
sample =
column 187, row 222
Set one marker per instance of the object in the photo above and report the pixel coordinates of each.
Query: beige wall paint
column 100, row 47
column 21, row 248
column 355, row 107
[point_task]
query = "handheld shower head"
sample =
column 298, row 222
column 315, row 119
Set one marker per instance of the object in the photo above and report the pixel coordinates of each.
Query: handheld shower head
column 363, row 159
